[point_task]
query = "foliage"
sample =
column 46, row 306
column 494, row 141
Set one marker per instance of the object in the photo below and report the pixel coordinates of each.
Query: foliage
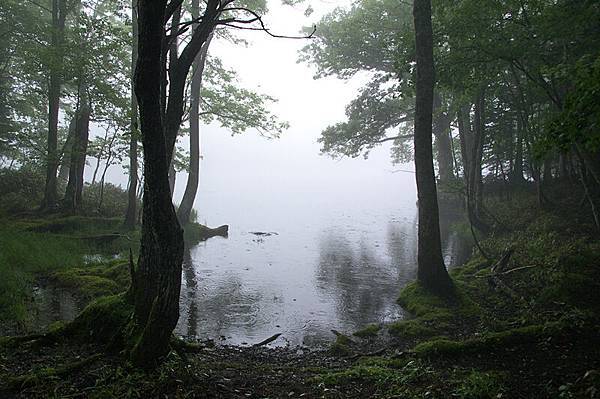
column 374, row 36
column 579, row 122
column 236, row 108
column 114, row 200
column 20, row 189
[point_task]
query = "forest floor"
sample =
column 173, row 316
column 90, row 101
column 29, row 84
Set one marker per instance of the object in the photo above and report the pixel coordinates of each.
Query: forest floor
column 521, row 324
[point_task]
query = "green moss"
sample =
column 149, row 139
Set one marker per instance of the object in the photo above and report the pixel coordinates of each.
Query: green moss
column 368, row 331
column 338, row 349
column 88, row 286
column 95, row 281
column 103, row 320
column 434, row 313
column 489, row 342
column 412, row 328
column 341, row 345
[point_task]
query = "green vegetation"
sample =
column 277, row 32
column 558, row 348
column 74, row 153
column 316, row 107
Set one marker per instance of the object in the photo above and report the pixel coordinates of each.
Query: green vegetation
column 412, row 328
column 25, row 254
column 368, row 331
column 480, row 385
column 83, row 254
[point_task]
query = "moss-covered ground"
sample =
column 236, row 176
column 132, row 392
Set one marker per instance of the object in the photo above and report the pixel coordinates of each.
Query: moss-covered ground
column 528, row 331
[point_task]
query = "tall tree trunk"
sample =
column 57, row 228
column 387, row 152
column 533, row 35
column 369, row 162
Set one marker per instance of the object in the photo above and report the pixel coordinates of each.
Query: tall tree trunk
column 469, row 142
column 191, row 188
column 74, row 190
column 431, row 271
column 477, row 152
column 131, row 213
column 157, row 280
column 441, row 131
column 59, row 14
column 464, row 134
column 172, row 72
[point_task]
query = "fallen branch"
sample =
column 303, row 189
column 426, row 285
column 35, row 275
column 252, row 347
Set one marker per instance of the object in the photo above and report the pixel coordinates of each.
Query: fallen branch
column 268, row 340
column 516, row 269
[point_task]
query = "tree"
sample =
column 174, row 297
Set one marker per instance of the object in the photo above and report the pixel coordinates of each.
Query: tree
column 376, row 36
column 191, row 187
column 431, row 270
column 131, row 213
column 59, row 15
column 217, row 95
column 157, row 280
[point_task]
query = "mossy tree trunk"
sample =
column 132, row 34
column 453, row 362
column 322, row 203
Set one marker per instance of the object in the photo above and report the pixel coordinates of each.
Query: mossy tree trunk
column 158, row 276
column 431, row 270
column 157, row 281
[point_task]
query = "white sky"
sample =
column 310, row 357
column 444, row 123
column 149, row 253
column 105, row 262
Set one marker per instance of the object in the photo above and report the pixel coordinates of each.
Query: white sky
column 292, row 161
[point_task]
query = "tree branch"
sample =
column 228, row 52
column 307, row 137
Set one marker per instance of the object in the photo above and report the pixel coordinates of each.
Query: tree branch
column 230, row 22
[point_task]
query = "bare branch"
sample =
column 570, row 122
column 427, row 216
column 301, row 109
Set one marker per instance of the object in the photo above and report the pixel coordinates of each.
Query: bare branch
column 232, row 21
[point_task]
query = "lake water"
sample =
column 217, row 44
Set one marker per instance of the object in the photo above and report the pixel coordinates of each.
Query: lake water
column 342, row 245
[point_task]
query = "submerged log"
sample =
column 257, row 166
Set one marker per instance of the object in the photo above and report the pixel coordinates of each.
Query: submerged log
column 197, row 232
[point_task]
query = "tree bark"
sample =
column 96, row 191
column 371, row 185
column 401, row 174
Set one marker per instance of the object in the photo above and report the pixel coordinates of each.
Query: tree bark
column 477, row 153
column 441, row 131
column 431, row 271
column 74, row 191
column 59, row 15
column 131, row 213
column 158, row 276
column 191, row 188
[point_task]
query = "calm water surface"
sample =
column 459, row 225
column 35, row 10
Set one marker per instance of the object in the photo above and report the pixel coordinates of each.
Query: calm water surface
column 336, row 256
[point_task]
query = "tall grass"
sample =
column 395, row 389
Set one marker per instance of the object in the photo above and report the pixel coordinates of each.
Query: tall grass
column 23, row 254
